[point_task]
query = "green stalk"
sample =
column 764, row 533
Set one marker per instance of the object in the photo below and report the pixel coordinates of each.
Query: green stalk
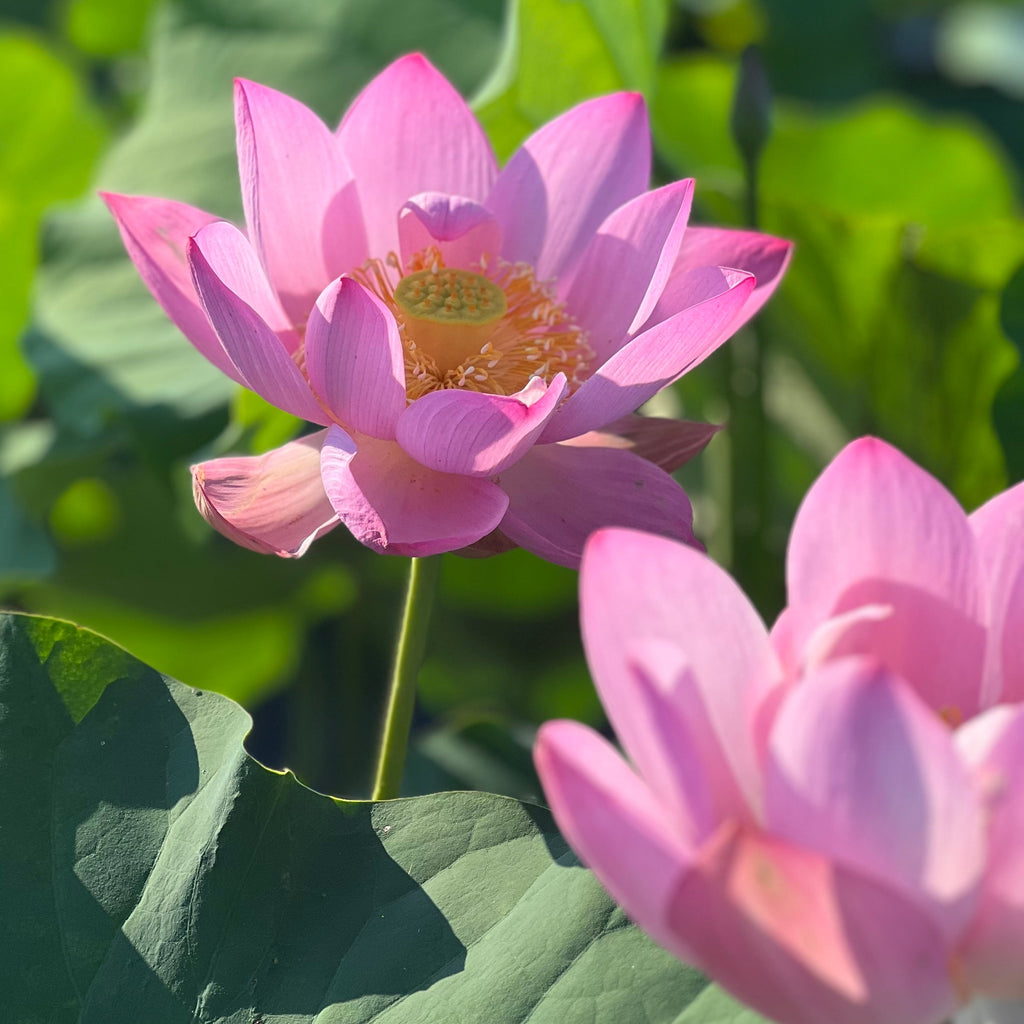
column 424, row 574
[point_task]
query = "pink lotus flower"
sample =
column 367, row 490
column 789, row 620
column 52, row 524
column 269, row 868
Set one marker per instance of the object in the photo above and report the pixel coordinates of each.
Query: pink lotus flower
column 474, row 342
column 805, row 818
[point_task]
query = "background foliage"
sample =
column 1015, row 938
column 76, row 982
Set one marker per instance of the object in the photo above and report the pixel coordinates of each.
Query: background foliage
column 894, row 163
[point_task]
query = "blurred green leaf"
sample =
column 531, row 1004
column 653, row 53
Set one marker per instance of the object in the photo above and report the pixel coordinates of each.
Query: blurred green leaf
column 1009, row 408
column 107, row 28
column 150, row 870
column 714, row 1006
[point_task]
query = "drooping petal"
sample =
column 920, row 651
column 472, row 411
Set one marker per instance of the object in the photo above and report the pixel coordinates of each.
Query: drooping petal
column 613, row 822
column 559, row 494
column 299, row 196
column 805, row 941
column 273, row 503
column 474, row 433
column 876, row 529
column 764, row 256
column 354, row 359
column 864, row 773
column 409, row 131
column 253, row 347
column 396, row 506
column 464, row 231
column 622, row 272
column 993, row 951
column 652, row 360
column 567, row 177
column 665, row 442
column 635, row 588
column 155, row 233
column 999, row 528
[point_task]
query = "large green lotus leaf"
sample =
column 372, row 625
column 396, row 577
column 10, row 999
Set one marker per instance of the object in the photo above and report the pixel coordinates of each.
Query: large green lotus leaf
column 150, row 870
column 105, row 353
column 558, row 54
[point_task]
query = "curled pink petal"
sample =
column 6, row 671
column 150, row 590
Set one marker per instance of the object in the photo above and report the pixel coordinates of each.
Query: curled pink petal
column 409, row 131
column 559, row 494
column 273, row 503
column 568, row 177
column 396, row 506
column 463, row 231
column 667, row 443
column 477, row 434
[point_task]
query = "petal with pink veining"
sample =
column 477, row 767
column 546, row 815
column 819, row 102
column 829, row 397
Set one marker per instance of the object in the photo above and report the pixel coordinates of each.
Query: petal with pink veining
column 409, row 131
column 396, row 506
column 155, row 233
column 876, row 529
column 613, row 822
column 667, row 443
column 254, row 348
column 624, row 267
column 559, row 494
column 567, row 177
column 864, row 773
column 636, row 588
column 354, row 359
column 474, row 433
column 806, row 941
column 652, row 360
column 299, row 195
column 273, row 503
column 464, row 231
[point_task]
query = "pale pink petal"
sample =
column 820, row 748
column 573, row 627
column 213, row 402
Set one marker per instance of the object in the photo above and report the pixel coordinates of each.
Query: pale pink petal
column 667, row 443
column 465, row 232
column 559, row 494
column 155, row 233
column 354, row 359
column 613, row 822
column 254, row 348
column 568, row 176
column 876, row 529
column 299, row 195
column 273, row 503
column 624, row 267
column 396, row 506
column 805, row 941
column 999, row 528
column 408, row 132
column 638, row 588
column 861, row 771
column 651, row 361
column 993, row 951
column 764, row 256
column 474, row 433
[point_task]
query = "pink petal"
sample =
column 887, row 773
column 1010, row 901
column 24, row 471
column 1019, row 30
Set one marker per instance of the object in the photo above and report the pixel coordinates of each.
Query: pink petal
column 155, row 233
column 396, row 506
column 559, row 494
column 624, row 267
column 568, row 176
column 993, row 951
column 409, row 132
column 253, row 347
column 613, row 822
column 999, row 528
column 876, row 529
column 476, row 434
column 764, row 256
column 464, row 231
column 300, row 199
column 807, row 942
column 354, row 359
column 861, row 771
column 652, row 360
column 273, row 503
column 667, row 443
column 639, row 589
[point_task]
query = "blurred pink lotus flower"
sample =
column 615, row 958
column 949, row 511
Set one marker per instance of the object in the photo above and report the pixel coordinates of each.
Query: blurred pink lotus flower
column 473, row 341
column 829, row 820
